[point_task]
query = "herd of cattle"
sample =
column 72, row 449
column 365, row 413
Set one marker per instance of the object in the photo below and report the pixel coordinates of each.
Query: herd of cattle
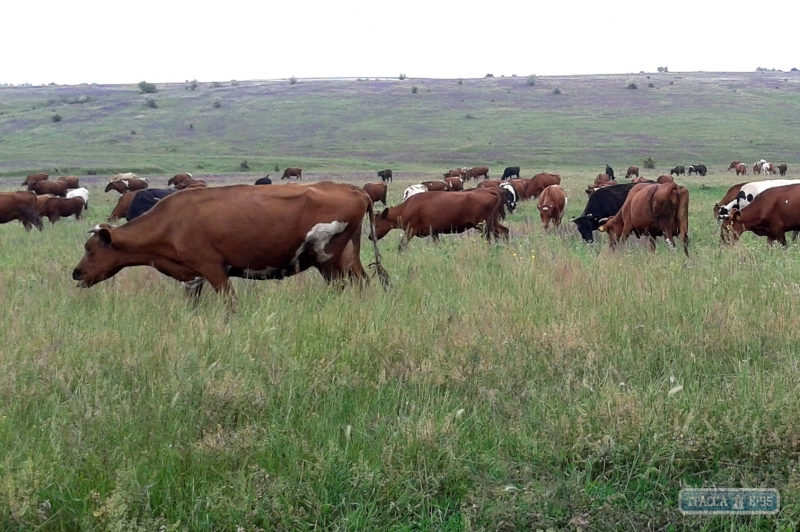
column 196, row 233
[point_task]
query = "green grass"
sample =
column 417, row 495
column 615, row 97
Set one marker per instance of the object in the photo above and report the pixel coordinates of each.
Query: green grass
column 508, row 386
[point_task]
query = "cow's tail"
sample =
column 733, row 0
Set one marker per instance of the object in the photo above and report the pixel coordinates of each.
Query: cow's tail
column 28, row 216
column 380, row 271
column 683, row 218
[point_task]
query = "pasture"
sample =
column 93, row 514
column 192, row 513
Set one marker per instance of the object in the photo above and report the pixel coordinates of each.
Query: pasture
column 535, row 384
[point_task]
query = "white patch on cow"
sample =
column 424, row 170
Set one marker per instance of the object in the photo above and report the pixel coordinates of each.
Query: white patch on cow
column 413, row 190
column 79, row 193
column 750, row 192
column 545, row 208
column 318, row 237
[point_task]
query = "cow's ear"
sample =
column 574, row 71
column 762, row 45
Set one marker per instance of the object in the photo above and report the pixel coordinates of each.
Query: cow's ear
column 736, row 215
column 104, row 234
column 384, row 214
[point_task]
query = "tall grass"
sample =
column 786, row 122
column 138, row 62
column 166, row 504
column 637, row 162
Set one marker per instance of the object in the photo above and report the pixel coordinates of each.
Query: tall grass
column 524, row 385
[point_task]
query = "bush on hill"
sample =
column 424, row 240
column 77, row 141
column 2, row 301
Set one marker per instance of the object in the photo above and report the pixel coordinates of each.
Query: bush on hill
column 147, row 88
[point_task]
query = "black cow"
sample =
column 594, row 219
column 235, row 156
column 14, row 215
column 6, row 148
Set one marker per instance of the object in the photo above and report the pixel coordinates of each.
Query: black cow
column 508, row 172
column 144, row 200
column 264, row 180
column 610, row 172
column 699, row 169
column 603, row 203
column 385, row 175
column 678, row 170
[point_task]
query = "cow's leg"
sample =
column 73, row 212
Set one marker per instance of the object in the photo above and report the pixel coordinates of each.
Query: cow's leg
column 194, row 289
column 652, row 243
column 217, row 277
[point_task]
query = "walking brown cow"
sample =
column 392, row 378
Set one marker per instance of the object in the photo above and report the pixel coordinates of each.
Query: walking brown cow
column 741, row 169
column 292, row 171
column 654, row 210
column 57, row 208
column 476, row 172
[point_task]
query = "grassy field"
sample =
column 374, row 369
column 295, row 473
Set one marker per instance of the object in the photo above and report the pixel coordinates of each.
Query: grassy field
column 535, row 384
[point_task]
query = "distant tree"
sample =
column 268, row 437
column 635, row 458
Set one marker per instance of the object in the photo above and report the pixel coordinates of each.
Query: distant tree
column 56, row 118
column 489, row 76
column 663, row 69
column 649, row 163
column 216, row 103
column 556, row 90
column 794, row 69
column 193, row 85
column 531, row 80
column 292, row 80
column 402, row 77
column 414, row 90
column 147, row 88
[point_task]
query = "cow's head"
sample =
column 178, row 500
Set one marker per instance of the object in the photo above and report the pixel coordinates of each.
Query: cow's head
column 586, row 225
column 384, row 224
column 732, row 228
column 101, row 259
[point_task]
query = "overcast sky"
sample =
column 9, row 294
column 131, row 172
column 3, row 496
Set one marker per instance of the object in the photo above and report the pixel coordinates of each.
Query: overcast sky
column 110, row 41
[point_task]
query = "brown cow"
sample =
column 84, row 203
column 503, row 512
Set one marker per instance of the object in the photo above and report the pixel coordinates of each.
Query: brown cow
column 439, row 186
column 782, row 168
column 437, row 213
column 122, row 177
column 476, row 172
column 20, row 206
column 179, row 178
column 632, row 170
column 665, row 179
column 57, row 188
column 520, row 185
column 191, row 183
column 56, row 208
column 552, row 203
column 654, row 210
column 121, row 209
column 489, row 184
column 126, row 185
column 456, row 172
column 377, row 191
column 601, row 178
column 641, row 179
column 771, row 214
column 292, row 172
column 741, row 169
column 733, row 166
column 539, row 182
column 455, row 183
column 70, row 180
column 245, row 231
column 591, row 189
column 33, row 178
column 729, row 197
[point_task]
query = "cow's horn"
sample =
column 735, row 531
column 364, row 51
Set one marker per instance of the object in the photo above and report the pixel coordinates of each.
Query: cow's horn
column 602, row 220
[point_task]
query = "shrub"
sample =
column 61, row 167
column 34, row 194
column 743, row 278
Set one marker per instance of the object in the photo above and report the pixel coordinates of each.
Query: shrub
column 414, row 90
column 133, row 131
column 216, row 85
column 56, row 118
column 469, row 117
column 292, row 80
column 531, row 80
column 794, row 69
column 147, row 88
column 649, row 163
column 276, row 168
column 402, row 77
column 244, row 165
column 216, row 104
column 663, row 69
column 193, row 85
column 632, row 84
column 650, row 85
column 460, row 81
column 489, row 76
column 234, row 83
column 151, row 103
column 91, row 172
column 556, row 90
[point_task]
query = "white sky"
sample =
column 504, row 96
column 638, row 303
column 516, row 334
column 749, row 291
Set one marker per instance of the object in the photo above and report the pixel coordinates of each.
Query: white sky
column 114, row 41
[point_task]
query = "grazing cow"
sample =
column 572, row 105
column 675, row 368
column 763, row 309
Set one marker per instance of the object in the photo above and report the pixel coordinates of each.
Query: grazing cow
column 476, row 172
column 292, row 172
column 80, row 193
column 123, row 176
column 385, row 175
column 729, row 197
column 665, row 179
column 20, row 206
column 653, row 210
column 437, row 213
column 771, row 214
column 520, row 185
column 601, row 178
column 40, row 201
column 413, row 190
column 213, row 234
column 733, row 165
column 510, row 201
column 377, row 191
column 179, row 178
column 757, row 167
column 457, row 172
column 678, row 170
column 782, row 169
column 632, row 170
column 741, row 169
column 455, row 183
column 489, row 184
column 145, row 200
column 56, row 208
column 57, row 188
column 438, row 186
column 552, row 204
column 699, row 169
column 771, row 170
column 264, row 180
column 603, row 203
column 591, row 189
column 610, row 172
column 124, row 186
column 71, row 181
column 539, row 182
column 508, row 172
column 33, row 178
column 749, row 191
column 191, row 183
column 121, row 210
